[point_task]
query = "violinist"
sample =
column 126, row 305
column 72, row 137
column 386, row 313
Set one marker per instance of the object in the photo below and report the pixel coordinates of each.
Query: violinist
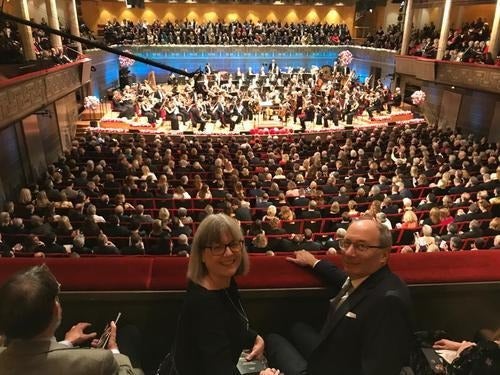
column 145, row 108
column 307, row 114
column 171, row 113
column 395, row 100
column 232, row 115
column 195, row 115
column 332, row 113
column 299, row 104
column 375, row 105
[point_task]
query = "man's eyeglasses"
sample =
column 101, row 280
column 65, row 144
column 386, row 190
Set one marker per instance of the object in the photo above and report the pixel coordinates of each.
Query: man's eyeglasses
column 345, row 243
column 234, row 246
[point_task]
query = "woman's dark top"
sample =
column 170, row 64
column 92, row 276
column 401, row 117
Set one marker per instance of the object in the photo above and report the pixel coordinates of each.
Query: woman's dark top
column 212, row 332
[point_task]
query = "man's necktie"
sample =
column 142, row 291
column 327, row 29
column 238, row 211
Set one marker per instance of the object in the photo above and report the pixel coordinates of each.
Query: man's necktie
column 338, row 300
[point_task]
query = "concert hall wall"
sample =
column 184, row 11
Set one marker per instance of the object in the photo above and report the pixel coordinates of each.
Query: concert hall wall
column 99, row 12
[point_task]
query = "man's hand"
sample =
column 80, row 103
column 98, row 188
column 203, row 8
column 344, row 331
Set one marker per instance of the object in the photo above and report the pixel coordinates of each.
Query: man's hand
column 303, row 258
column 76, row 335
column 112, row 338
column 257, row 350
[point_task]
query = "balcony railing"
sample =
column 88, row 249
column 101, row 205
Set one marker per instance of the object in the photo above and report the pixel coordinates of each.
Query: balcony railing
column 465, row 75
column 25, row 94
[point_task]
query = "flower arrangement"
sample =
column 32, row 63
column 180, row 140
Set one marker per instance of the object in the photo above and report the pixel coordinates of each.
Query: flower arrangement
column 126, row 62
column 418, row 97
column 345, row 58
column 91, row 102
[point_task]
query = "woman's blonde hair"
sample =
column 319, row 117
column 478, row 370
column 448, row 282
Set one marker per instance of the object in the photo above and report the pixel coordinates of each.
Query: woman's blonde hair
column 209, row 233
column 409, row 217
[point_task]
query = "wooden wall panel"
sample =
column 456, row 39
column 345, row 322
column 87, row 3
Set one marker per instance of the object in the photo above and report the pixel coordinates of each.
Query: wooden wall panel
column 494, row 135
column 11, row 172
column 99, row 12
column 476, row 113
column 49, row 134
column 67, row 116
column 36, row 153
column 450, row 107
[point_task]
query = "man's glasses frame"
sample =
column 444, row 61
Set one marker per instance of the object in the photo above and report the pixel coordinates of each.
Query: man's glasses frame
column 345, row 243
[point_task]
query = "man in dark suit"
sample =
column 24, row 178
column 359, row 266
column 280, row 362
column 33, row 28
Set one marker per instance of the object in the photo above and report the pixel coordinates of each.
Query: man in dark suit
column 368, row 328
column 312, row 211
column 309, row 244
column 29, row 325
column 114, row 229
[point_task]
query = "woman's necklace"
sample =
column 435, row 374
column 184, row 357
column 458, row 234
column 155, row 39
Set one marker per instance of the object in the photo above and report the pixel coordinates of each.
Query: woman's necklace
column 241, row 311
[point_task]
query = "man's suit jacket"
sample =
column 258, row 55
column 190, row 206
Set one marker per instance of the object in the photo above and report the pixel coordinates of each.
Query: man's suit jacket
column 48, row 357
column 371, row 332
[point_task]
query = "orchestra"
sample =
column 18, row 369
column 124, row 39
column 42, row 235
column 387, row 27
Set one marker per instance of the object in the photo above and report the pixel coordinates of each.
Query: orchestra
column 323, row 96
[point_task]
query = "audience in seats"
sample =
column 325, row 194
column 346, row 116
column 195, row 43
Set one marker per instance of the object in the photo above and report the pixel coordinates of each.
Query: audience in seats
column 221, row 33
column 468, row 43
column 321, row 185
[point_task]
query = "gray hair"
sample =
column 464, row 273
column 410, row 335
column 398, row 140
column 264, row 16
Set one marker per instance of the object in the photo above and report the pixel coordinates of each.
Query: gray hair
column 384, row 234
column 210, row 232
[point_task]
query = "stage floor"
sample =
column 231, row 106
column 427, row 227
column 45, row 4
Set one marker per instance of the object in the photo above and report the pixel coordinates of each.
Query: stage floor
column 259, row 125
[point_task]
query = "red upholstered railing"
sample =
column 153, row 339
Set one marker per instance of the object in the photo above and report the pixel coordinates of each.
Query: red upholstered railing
column 169, row 273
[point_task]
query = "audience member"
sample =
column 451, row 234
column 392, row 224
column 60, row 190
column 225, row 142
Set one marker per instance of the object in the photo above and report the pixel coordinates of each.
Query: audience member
column 369, row 295
column 30, row 313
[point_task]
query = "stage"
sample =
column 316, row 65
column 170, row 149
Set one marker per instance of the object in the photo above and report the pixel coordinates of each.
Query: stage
column 111, row 123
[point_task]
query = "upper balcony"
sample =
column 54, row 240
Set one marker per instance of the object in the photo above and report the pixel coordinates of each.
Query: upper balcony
column 464, row 75
column 24, row 94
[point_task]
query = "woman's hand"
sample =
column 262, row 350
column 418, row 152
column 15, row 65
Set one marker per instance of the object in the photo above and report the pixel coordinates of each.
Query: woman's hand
column 257, row 350
column 269, row 371
column 464, row 345
column 446, row 344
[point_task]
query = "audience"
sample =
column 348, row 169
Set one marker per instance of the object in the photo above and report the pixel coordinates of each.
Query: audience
column 468, row 43
column 320, row 170
column 221, row 33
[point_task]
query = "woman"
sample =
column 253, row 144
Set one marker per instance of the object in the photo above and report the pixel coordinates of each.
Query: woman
column 424, row 241
column 213, row 325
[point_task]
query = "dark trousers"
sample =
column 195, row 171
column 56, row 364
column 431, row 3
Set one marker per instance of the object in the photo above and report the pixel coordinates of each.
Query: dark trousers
column 129, row 343
column 291, row 357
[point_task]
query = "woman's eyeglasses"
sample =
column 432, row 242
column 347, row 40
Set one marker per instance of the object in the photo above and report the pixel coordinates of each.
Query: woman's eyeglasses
column 234, row 246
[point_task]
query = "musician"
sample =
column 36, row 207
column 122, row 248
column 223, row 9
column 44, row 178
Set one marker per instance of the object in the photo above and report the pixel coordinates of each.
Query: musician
column 232, row 115
column 208, row 68
column 350, row 109
column 171, row 113
column 395, row 101
column 273, row 68
column 375, row 105
column 195, row 115
column 332, row 113
column 145, row 108
column 182, row 111
column 307, row 114
column 218, row 109
column 122, row 104
column 299, row 103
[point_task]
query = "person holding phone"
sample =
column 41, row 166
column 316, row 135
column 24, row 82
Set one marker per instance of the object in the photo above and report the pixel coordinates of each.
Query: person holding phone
column 30, row 313
column 213, row 325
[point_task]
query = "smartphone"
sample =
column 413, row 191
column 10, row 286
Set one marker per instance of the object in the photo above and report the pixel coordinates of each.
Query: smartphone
column 103, row 340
